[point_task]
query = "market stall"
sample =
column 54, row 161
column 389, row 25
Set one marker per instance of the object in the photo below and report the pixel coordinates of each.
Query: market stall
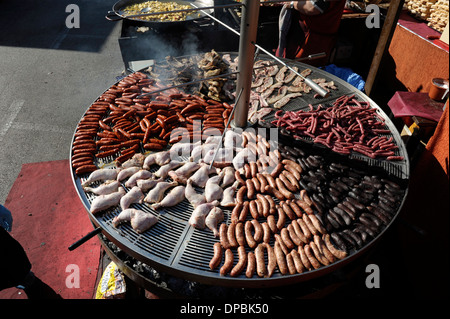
column 311, row 180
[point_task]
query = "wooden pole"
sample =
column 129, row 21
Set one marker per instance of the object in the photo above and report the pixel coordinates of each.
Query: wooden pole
column 395, row 7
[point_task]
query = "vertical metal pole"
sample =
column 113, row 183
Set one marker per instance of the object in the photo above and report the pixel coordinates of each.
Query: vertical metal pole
column 247, row 41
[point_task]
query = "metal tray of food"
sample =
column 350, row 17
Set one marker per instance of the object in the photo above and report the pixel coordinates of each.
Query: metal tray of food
column 175, row 247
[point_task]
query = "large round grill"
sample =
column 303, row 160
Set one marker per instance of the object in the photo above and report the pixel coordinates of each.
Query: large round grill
column 174, row 247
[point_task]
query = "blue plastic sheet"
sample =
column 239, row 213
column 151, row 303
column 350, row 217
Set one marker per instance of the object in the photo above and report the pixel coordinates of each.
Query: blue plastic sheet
column 347, row 75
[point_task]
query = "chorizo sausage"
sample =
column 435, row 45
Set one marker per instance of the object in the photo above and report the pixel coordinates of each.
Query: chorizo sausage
column 80, row 163
column 259, row 207
column 217, row 258
column 88, row 168
column 240, row 266
column 107, row 153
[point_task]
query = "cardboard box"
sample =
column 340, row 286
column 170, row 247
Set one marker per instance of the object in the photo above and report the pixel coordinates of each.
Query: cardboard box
column 444, row 36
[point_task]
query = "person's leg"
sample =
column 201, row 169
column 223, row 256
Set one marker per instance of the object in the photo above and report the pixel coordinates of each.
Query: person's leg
column 14, row 265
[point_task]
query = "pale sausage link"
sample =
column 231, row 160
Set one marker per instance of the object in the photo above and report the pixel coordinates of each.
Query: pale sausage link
column 240, row 266
column 304, row 228
column 240, row 234
column 231, row 235
column 310, row 225
column 261, row 269
column 323, row 249
column 297, row 261
column 310, row 254
column 293, row 235
column 290, row 264
column 228, row 263
column 224, row 236
column 319, row 256
column 271, row 259
column 251, row 242
column 304, row 258
column 317, row 224
column 281, row 259
column 217, row 258
column 281, row 242
column 339, row 254
column 251, row 265
column 266, row 232
column 298, row 231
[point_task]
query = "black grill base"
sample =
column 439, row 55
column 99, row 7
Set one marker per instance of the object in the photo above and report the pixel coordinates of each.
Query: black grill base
column 345, row 282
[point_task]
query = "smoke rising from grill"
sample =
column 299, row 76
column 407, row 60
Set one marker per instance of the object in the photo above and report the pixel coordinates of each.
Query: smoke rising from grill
column 158, row 46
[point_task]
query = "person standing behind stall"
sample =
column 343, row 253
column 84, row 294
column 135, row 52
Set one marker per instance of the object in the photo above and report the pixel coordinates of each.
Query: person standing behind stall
column 309, row 27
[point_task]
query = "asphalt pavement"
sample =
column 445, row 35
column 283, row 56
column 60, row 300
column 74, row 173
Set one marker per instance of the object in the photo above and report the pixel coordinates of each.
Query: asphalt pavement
column 50, row 74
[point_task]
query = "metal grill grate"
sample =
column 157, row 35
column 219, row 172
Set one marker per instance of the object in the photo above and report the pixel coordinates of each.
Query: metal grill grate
column 172, row 245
